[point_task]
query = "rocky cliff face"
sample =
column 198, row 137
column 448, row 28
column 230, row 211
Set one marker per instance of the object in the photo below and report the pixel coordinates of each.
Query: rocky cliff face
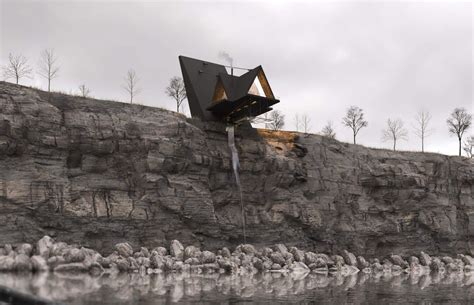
column 99, row 172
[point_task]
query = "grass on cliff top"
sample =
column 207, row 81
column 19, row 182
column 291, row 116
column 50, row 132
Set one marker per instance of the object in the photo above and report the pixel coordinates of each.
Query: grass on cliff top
column 68, row 96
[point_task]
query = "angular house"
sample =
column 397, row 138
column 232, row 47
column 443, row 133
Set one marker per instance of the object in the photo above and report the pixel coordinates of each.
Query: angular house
column 215, row 95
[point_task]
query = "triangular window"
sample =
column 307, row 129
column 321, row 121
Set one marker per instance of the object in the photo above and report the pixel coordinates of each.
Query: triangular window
column 260, row 86
column 256, row 88
column 219, row 92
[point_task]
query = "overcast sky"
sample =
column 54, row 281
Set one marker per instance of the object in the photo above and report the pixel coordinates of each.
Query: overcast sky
column 390, row 58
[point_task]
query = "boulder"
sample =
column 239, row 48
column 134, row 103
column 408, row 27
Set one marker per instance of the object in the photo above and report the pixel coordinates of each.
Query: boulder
column 74, row 255
column 227, row 265
column 38, row 263
column 26, row 249
column 124, row 249
column 143, row 261
column 425, row 259
column 160, row 251
column 59, row 249
column 144, row 252
column 413, row 260
column 44, row 246
column 447, row 260
column 191, row 252
column 276, row 266
column 107, row 261
column 133, row 263
column 54, row 261
column 267, row 252
column 310, row 258
column 278, row 258
column 8, row 249
column 168, row 263
column 362, row 263
column 177, row 250
column 452, row 267
column 324, row 257
column 298, row 255
column 436, row 264
column 122, row 264
column 349, row 258
column 7, row 263
column 96, row 269
column 207, row 257
column 320, row 263
column 225, row 252
column 377, row 267
column 248, row 249
column 299, row 267
column 467, row 259
column 258, row 264
column 399, row 261
column 22, row 263
column 192, row 261
column 157, row 261
column 71, row 268
column 338, row 260
column 280, row 248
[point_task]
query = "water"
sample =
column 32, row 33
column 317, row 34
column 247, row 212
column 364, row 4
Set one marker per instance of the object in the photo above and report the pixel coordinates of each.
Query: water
column 235, row 167
column 267, row 288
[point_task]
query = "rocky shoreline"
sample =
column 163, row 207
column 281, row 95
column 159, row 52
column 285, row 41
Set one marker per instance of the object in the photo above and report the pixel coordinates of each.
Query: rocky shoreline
column 59, row 257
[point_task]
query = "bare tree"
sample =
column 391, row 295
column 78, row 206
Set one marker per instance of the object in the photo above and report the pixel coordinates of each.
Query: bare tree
column 48, row 67
column 328, row 131
column 422, row 120
column 395, row 131
column 297, row 122
column 458, row 123
column 84, row 90
column 277, row 120
column 131, row 81
column 17, row 67
column 177, row 91
column 469, row 147
column 354, row 119
column 305, row 123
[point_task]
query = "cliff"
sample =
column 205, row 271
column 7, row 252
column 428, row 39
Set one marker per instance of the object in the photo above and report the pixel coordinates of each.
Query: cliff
column 98, row 172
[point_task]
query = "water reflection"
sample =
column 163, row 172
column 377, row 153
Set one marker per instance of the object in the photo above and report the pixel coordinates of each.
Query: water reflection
column 266, row 288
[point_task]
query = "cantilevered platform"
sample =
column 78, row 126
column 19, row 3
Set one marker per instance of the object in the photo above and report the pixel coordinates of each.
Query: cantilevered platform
column 215, row 95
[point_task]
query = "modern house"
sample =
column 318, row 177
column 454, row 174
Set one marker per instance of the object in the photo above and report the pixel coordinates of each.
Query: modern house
column 215, row 95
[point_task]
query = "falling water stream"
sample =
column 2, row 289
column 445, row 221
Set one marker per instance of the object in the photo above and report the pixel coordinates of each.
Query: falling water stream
column 235, row 167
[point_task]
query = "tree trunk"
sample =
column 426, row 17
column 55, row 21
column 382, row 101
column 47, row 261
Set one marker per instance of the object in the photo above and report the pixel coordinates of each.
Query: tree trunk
column 354, row 138
column 394, row 144
column 177, row 107
column 460, row 144
column 49, row 85
column 422, row 144
column 17, row 79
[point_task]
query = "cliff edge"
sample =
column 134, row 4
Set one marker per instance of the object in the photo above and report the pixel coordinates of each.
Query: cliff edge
column 98, row 172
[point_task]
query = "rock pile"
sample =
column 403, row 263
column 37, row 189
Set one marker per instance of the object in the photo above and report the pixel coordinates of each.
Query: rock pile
column 59, row 257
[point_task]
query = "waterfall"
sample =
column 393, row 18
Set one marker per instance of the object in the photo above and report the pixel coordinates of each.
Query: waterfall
column 235, row 167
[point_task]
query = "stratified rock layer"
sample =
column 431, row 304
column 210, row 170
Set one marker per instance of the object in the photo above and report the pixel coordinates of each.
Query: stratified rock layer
column 100, row 173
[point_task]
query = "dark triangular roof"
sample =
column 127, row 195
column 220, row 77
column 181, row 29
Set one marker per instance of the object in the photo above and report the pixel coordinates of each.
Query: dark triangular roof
column 238, row 86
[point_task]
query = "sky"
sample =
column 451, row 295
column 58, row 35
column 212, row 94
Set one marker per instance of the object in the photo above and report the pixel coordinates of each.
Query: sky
column 390, row 58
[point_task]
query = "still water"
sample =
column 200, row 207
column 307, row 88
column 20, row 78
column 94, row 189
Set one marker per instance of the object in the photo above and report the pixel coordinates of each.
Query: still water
column 268, row 288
